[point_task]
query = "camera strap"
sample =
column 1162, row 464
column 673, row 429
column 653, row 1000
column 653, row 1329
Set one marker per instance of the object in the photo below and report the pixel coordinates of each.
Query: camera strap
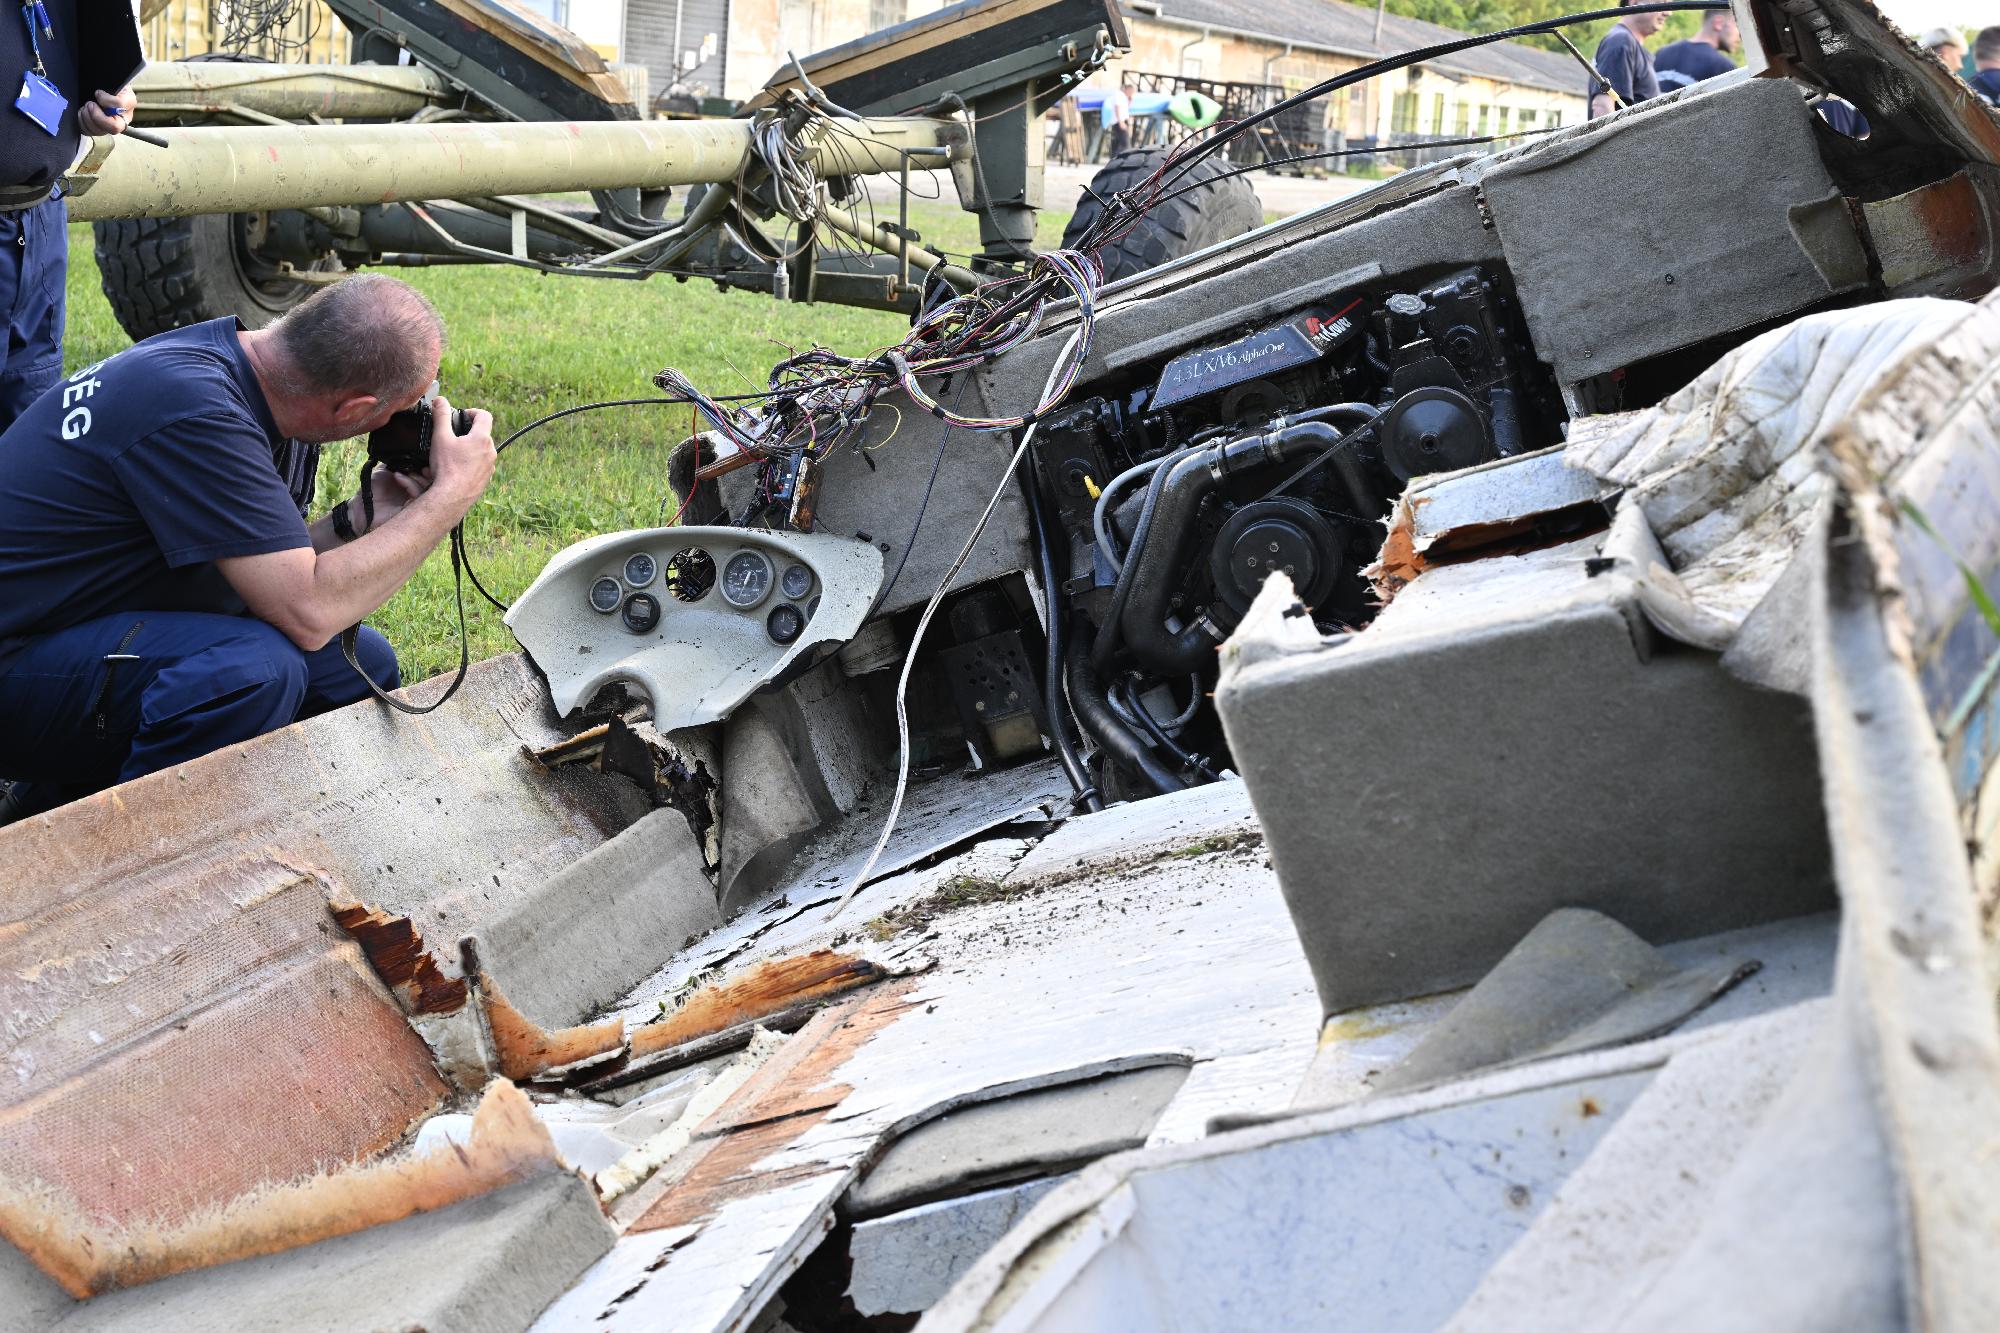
column 352, row 634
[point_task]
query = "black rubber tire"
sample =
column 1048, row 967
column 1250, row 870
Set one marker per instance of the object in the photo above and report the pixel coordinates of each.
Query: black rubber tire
column 166, row 273
column 1178, row 226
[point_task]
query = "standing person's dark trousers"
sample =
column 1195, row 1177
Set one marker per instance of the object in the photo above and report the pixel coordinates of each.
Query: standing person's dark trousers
column 1121, row 139
column 125, row 695
column 34, row 245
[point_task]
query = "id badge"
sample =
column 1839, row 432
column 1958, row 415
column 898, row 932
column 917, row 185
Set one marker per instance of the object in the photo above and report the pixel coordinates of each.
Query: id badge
column 41, row 102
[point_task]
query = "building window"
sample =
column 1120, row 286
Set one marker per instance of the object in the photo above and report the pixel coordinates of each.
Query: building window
column 886, row 13
column 1461, row 119
column 1500, row 114
column 1555, row 120
column 1485, row 120
column 1529, row 119
column 1437, row 114
column 1403, row 114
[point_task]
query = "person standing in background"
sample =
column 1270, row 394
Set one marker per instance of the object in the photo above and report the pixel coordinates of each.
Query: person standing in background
column 1702, row 56
column 42, row 61
column 1117, row 118
column 1625, row 65
column 1986, row 65
column 1948, row 45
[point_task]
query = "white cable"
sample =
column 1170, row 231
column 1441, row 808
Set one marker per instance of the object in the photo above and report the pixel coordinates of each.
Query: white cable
column 923, row 623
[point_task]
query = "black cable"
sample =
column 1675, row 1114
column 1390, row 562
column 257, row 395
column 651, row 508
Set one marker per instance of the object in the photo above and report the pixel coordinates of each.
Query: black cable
column 937, row 462
column 539, row 422
column 1269, row 162
column 1054, row 701
column 1387, row 64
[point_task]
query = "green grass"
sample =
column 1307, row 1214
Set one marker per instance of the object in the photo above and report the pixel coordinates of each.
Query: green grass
column 523, row 345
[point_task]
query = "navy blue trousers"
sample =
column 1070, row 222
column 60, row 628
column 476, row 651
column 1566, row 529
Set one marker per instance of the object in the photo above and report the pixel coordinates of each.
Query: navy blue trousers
column 34, row 264
column 73, row 722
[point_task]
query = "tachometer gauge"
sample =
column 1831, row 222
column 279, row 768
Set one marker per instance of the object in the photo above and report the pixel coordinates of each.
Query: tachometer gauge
column 639, row 570
column 746, row 579
column 605, row 594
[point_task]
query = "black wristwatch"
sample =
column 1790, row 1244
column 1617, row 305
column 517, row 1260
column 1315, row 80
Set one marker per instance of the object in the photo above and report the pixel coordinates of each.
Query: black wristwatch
column 343, row 526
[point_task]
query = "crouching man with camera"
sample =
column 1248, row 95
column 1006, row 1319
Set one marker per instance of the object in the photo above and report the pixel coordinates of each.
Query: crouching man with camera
column 162, row 593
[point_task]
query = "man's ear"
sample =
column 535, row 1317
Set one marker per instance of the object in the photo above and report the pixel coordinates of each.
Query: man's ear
column 349, row 413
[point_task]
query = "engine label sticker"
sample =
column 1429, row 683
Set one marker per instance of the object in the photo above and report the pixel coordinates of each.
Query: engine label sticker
column 1305, row 337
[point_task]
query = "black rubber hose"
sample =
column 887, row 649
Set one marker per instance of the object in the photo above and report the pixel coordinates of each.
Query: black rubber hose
column 1506, row 420
column 1188, row 759
column 1093, row 710
column 1153, row 570
column 1052, row 675
column 1107, row 642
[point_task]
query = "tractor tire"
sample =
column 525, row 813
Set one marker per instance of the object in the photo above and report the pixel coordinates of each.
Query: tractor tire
column 1221, row 209
column 166, row 273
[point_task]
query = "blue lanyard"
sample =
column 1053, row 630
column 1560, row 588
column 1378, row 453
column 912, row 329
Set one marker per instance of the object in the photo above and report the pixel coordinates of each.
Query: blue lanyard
column 30, row 11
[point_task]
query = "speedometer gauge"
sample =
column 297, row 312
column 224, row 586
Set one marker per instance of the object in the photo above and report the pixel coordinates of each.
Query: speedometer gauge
column 746, row 579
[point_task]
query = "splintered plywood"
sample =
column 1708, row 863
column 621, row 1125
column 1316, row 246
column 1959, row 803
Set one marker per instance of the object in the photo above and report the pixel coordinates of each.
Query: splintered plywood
column 509, row 1143
column 759, row 991
column 175, row 1043
column 784, row 1099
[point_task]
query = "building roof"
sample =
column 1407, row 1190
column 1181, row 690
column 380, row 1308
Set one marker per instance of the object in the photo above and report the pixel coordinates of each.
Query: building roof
column 1327, row 25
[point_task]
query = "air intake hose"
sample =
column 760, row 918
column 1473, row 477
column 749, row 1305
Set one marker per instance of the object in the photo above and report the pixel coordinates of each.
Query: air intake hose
column 1159, row 554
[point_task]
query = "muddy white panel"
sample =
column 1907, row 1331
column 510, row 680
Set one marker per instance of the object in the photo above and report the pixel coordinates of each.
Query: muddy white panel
column 694, row 618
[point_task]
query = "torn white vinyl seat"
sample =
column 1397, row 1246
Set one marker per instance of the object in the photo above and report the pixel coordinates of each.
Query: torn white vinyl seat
column 695, row 619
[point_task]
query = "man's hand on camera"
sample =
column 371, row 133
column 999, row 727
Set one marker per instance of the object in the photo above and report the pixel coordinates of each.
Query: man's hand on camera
column 392, row 491
column 461, row 465
column 107, row 113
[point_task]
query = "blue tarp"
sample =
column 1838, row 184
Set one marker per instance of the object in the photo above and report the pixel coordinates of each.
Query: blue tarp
column 1143, row 104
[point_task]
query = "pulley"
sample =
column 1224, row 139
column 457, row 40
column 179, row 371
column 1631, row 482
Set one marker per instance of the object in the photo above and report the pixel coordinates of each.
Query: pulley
column 1433, row 430
column 1267, row 536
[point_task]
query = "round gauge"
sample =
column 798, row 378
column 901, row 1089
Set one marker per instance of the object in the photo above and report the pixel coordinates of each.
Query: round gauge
column 605, row 594
column 690, row 574
column 639, row 570
column 812, row 607
column 642, row 612
column 746, row 579
column 798, row 581
column 784, row 623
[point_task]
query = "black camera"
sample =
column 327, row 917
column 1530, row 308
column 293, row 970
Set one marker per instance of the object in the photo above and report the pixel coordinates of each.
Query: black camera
column 403, row 444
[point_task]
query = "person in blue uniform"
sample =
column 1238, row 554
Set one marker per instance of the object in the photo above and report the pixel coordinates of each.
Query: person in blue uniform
column 41, row 125
column 1985, row 78
column 1702, row 56
column 162, row 593
column 1621, row 58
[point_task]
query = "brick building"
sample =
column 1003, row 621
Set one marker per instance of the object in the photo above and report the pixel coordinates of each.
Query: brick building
column 730, row 47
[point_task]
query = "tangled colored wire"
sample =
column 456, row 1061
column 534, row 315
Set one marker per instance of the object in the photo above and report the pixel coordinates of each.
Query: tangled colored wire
column 820, row 400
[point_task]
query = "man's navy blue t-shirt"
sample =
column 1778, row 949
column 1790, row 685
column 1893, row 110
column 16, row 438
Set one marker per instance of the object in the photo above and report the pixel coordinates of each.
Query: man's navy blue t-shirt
column 1624, row 62
column 1678, row 64
column 122, row 484
column 1987, row 84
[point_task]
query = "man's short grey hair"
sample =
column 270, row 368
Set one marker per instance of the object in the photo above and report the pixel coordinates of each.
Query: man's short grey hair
column 368, row 334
